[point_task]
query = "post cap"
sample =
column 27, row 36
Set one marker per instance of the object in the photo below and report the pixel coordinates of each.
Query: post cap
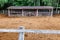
column 21, row 27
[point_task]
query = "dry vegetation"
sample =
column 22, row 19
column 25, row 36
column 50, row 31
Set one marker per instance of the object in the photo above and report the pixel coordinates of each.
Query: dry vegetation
column 30, row 23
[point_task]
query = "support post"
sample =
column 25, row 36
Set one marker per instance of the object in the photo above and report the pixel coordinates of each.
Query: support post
column 37, row 13
column 58, row 11
column 21, row 34
column 52, row 12
column 49, row 12
column 8, row 12
column 3, row 11
column 22, row 12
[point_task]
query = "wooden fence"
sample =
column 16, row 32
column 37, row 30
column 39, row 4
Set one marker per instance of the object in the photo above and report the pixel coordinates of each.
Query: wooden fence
column 3, row 11
column 21, row 31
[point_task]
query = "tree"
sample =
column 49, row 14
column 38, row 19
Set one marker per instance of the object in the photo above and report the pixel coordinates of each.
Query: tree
column 2, row 2
column 7, row 3
column 37, row 2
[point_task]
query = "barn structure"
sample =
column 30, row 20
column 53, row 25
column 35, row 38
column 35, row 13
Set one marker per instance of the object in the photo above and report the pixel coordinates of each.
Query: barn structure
column 30, row 11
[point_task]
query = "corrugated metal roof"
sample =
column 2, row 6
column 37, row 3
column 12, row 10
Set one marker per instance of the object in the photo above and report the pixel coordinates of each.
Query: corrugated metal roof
column 30, row 7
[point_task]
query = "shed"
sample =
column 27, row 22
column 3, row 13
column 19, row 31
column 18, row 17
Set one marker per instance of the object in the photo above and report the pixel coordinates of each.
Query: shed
column 30, row 11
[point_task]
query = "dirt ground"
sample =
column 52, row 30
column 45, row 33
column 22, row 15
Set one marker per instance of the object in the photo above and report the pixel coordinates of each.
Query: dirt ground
column 45, row 22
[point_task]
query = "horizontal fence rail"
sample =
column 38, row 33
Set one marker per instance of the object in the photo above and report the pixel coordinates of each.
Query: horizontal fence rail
column 32, row 31
column 21, row 31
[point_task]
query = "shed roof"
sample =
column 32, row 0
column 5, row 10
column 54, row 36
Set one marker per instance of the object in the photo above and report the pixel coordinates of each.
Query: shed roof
column 30, row 7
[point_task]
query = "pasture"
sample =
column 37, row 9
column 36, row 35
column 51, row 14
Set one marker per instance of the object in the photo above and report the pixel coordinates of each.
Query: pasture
column 45, row 22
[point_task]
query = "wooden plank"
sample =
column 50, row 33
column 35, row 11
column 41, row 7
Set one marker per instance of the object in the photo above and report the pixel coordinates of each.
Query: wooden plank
column 30, row 7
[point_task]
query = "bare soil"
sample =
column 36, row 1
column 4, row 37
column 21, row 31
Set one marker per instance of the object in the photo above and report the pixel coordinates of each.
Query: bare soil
column 43, row 22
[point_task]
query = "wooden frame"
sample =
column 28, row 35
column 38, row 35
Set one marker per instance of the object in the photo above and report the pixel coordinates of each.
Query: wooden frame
column 30, row 8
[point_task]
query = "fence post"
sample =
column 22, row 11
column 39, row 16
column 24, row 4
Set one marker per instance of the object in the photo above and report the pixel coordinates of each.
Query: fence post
column 21, row 34
column 3, row 12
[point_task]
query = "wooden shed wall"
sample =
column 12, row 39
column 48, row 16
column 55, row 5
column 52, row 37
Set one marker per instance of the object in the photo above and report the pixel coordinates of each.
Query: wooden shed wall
column 31, row 11
column 44, row 12
column 16, row 12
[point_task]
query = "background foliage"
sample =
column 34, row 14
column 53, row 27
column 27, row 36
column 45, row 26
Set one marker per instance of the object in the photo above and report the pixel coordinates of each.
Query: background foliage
column 6, row 3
